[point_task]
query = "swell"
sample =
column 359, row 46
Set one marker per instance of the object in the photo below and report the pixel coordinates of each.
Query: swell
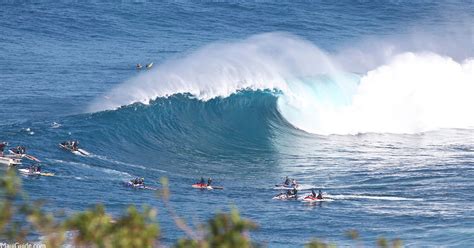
column 404, row 92
column 243, row 122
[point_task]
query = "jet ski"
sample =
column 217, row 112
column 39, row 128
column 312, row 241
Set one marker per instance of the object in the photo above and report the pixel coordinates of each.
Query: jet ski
column 20, row 152
column 139, row 186
column 285, row 196
column 35, row 173
column 10, row 161
column 76, row 151
column 311, row 198
column 205, row 186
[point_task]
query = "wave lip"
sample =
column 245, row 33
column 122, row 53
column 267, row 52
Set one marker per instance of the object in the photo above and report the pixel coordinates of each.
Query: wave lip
column 409, row 93
column 260, row 62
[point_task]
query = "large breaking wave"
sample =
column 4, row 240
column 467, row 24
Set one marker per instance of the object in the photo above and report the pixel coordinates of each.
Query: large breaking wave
column 400, row 91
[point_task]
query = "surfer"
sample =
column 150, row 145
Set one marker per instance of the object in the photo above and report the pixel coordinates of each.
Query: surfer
column 320, row 195
column 72, row 145
column 75, row 145
column 209, row 181
column 287, row 181
column 293, row 183
column 313, row 193
column 292, row 192
column 202, row 182
column 35, row 169
column 2, row 148
column 19, row 150
column 138, row 181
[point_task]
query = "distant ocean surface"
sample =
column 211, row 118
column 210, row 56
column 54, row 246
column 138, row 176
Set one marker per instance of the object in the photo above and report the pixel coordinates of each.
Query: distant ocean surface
column 370, row 101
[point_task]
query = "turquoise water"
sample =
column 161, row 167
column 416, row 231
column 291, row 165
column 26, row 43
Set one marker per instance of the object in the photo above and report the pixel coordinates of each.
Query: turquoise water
column 240, row 92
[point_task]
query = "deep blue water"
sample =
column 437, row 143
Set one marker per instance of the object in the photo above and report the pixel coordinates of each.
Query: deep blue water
column 230, row 114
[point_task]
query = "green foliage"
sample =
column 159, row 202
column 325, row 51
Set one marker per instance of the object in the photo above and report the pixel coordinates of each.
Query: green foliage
column 91, row 228
column 318, row 244
column 95, row 228
column 224, row 230
column 384, row 243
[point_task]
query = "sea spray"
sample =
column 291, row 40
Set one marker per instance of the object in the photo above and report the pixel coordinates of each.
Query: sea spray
column 412, row 93
column 408, row 93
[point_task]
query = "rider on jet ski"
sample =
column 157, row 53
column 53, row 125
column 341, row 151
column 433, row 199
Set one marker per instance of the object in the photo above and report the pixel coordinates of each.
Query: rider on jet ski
column 287, row 181
column 320, row 195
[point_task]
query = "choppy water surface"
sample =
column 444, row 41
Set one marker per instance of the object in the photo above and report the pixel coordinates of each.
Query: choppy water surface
column 370, row 102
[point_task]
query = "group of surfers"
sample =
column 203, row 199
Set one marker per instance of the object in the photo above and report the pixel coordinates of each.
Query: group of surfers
column 148, row 66
column 203, row 183
column 34, row 169
column 18, row 150
column 71, row 145
column 140, row 181
column 21, row 150
column 294, row 192
column 74, row 145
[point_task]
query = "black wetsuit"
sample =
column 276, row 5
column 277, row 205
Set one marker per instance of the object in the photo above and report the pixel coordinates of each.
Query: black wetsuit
column 320, row 195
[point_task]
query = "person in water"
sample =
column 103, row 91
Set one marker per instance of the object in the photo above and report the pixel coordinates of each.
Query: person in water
column 293, row 183
column 320, row 195
column 68, row 144
column 139, row 66
column 75, row 145
column 2, row 147
column 209, row 181
column 292, row 192
column 138, row 181
column 20, row 150
column 287, row 181
column 34, row 169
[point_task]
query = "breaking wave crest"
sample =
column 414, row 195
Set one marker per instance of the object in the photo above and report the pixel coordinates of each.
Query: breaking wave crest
column 407, row 92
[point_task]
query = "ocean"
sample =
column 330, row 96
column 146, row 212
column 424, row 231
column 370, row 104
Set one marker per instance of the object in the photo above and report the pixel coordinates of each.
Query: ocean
column 369, row 101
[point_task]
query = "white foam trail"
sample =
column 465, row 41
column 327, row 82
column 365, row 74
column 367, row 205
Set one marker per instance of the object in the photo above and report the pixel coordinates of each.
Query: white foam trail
column 126, row 164
column 105, row 170
column 385, row 198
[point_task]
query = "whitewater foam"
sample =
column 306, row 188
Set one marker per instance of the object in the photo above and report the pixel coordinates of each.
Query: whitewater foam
column 218, row 70
column 411, row 93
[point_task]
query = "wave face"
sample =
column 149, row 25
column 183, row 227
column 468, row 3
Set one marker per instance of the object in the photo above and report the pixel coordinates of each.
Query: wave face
column 244, row 121
column 408, row 92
